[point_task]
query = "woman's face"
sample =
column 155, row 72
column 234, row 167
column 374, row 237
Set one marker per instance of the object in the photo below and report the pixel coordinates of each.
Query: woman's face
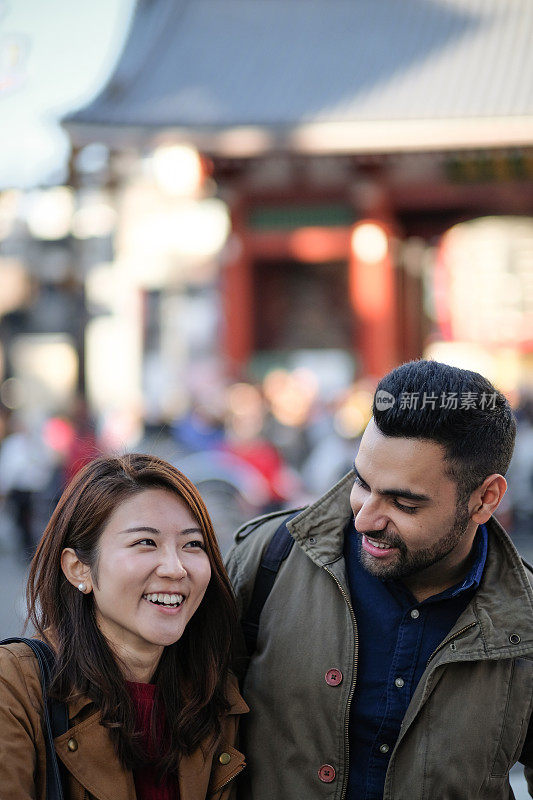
column 151, row 575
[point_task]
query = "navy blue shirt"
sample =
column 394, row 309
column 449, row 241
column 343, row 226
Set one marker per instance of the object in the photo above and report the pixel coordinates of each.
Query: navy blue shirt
column 397, row 635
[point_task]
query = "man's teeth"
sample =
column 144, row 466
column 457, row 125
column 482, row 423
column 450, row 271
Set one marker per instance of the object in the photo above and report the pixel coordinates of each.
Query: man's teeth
column 380, row 545
column 165, row 599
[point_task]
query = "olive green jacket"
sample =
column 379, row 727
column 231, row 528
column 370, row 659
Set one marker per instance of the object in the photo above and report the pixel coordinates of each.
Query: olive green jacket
column 86, row 750
column 469, row 719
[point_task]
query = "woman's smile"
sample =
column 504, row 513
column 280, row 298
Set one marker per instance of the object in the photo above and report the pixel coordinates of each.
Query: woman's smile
column 164, row 599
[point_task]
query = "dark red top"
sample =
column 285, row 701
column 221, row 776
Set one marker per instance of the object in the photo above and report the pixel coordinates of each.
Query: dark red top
column 146, row 785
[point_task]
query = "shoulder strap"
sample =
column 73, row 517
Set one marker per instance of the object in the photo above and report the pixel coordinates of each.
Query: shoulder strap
column 276, row 552
column 55, row 714
column 526, row 564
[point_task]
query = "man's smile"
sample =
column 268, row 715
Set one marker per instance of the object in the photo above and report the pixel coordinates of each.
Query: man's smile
column 375, row 547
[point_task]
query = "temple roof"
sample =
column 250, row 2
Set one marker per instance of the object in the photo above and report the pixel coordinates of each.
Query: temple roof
column 245, row 76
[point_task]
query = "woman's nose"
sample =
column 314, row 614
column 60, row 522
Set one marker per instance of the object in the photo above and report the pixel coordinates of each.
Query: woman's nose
column 171, row 565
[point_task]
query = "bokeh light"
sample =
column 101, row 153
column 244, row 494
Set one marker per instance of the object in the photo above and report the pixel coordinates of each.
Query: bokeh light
column 49, row 212
column 178, row 170
column 369, row 242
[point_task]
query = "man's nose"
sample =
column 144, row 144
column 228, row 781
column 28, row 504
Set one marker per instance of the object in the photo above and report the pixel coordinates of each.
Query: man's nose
column 370, row 516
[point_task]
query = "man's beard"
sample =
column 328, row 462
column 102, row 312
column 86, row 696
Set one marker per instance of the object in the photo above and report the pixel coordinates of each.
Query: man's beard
column 405, row 563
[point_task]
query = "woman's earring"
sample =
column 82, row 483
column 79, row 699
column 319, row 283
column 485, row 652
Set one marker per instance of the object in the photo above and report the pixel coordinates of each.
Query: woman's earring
column 82, row 587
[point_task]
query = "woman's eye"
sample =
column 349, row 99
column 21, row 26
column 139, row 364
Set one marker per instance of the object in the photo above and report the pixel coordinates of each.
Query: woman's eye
column 407, row 509
column 195, row 544
column 146, row 542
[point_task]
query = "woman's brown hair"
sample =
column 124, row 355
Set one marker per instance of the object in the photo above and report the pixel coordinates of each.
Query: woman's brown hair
column 191, row 674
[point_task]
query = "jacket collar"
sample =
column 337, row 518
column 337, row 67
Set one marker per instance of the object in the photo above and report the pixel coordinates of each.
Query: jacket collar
column 503, row 603
column 76, row 704
column 502, row 606
column 237, row 705
column 319, row 529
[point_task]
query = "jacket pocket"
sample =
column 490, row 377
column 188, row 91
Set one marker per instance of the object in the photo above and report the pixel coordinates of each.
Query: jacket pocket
column 227, row 764
column 515, row 717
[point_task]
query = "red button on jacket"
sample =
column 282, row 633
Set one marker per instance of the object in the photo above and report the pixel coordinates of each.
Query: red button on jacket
column 326, row 773
column 333, row 677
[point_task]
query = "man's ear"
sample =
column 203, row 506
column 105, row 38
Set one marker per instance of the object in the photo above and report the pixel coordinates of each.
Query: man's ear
column 486, row 498
column 76, row 572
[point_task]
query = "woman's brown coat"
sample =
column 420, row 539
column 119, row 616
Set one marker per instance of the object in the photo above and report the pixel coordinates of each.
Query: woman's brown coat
column 86, row 750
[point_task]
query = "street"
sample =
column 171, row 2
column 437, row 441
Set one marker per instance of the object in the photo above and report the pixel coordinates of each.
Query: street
column 12, row 607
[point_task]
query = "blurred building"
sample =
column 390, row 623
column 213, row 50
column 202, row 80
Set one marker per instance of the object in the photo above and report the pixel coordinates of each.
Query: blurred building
column 330, row 185
column 345, row 139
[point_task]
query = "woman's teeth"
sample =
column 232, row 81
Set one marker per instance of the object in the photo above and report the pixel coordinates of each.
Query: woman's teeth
column 165, row 599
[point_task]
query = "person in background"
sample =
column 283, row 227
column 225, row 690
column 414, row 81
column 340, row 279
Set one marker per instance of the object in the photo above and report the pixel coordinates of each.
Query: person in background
column 394, row 657
column 128, row 588
column 83, row 444
column 25, row 469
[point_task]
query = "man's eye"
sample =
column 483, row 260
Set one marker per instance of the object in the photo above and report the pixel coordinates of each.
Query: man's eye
column 360, row 483
column 406, row 509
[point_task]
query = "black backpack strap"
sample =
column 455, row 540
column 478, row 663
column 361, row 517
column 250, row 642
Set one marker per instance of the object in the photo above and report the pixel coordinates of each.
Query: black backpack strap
column 55, row 714
column 276, row 552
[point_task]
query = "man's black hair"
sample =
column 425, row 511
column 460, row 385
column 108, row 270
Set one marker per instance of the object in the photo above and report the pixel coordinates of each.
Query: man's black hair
column 459, row 409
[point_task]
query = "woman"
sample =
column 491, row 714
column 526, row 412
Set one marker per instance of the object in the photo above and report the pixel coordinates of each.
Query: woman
column 128, row 587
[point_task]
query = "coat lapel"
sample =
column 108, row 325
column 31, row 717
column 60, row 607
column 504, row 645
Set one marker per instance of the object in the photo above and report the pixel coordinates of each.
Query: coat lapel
column 88, row 754
column 87, row 751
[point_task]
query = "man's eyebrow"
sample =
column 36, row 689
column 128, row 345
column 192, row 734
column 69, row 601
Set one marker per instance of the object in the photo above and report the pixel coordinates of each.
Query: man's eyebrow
column 407, row 494
column 148, row 529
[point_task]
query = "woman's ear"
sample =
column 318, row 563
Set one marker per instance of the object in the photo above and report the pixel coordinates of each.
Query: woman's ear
column 76, row 572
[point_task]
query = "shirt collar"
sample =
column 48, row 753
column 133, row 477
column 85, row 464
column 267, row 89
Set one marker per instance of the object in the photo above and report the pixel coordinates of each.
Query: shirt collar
column 473, row 579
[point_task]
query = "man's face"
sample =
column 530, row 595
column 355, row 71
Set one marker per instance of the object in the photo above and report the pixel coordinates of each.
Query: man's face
column 406, row 510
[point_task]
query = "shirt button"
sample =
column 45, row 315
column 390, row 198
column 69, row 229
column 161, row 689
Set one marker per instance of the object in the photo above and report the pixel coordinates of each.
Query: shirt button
column 333, row 677
column 384, row 748
column 415, row 613
column 224, row 758
column 72, row 745
column 399, row 682
column 326, row 773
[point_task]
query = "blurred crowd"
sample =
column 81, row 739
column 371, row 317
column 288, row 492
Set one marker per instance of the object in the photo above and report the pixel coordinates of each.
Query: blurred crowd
column 251, row 448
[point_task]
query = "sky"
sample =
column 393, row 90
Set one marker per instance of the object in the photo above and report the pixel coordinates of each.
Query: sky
column 55, row 55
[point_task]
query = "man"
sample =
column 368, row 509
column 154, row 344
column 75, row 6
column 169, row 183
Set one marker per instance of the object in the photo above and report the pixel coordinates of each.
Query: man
column 395, row 650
